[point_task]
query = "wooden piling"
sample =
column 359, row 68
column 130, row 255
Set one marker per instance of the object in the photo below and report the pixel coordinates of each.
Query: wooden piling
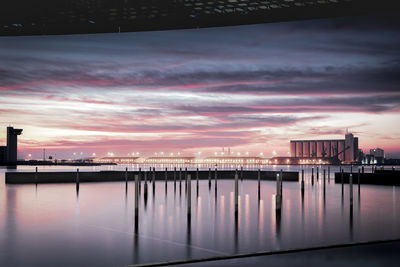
column 358, row 180
column 136, row 196
column 145, row 184
column 175, row 176
column 154, row 179
column 77, row 179
column 166, row 176
column 329, row 174
column 140, row 179
column 312, row 176
column 324, row 180
column 209, row 177
column 236, row 195
column 362, row 169
column 126, row 176
column 259, row 179
column 197, row 177
column 216, row 177
column 278, row 199
column 36, row 175
column 341, row 177
column 302, row 180
column 351, row 189
column 241, row 173
column 186, row 177
column 317, row 173
column 189, row 194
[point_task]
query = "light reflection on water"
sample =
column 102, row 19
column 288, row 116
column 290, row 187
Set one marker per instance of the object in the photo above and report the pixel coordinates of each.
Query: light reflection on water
column 50, row 224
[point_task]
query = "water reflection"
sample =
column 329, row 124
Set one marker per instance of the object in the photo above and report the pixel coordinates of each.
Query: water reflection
column 101, row 220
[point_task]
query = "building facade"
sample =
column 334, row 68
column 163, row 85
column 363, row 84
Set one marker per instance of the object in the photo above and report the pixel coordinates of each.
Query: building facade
column 346, row 150
column 9, row 153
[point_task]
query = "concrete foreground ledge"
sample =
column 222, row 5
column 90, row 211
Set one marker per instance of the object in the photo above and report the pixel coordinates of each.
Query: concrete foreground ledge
column 113, row 176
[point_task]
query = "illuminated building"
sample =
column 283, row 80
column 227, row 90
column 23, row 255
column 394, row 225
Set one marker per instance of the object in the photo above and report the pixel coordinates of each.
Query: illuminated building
column 117, row 160
column 170, row 160
column 232, row 160
column 345, row 150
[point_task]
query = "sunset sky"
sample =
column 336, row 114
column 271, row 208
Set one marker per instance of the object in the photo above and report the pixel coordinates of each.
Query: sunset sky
column 251, row 88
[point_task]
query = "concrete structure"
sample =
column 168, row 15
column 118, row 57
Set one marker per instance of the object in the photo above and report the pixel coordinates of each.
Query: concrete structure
column 346, row 150
column 377, row 152
column 3, row 151
column 9, row 153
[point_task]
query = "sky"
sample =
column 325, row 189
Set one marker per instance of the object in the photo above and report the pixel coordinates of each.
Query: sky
column 251, row 88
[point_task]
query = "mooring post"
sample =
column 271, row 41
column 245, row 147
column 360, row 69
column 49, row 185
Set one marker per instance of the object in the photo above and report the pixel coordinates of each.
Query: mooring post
column 197, row 176
column 126, row 176
column 215, row 177
column 341, row 177
column 362, row 169
column 259, row 178
column 236, row 195
column 36, row 176
column 281, row 180
column 312, row 176
column 351, row 168
column 351, row 189
column 154, row 179
column 358, row 180
column 77, row 179
column 186, row 177
column 145, row 184
column 149, row 175
column 189, row 194
column 278, row 192
column 324, row 180
column 174, row 176
column 241, row 173
column 140, row 179
column 317, row 173
column 329, row 174
column 166, row 176
column 136, row 196
column 302, row 180
column 180, row 176
column 209, row 177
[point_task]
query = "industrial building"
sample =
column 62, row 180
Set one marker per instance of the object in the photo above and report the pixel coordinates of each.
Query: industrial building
column 8, row 154
column 344, row 150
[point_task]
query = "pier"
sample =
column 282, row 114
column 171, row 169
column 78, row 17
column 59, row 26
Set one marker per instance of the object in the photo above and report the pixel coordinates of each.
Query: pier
column 126, row 175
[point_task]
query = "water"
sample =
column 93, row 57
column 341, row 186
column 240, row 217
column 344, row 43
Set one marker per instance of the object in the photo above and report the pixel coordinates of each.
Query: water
column 52, row 225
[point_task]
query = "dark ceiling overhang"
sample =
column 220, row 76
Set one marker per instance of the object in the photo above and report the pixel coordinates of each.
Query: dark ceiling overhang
column 38, row 17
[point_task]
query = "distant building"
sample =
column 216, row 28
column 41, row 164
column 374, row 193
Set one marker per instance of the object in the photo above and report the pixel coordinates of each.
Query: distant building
column 9, row 153
column 375, row 156
column 346, row 150
column 118, row 160
column 3, row 151
column 232, row 160
column 377, row 152
column 170, row 160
